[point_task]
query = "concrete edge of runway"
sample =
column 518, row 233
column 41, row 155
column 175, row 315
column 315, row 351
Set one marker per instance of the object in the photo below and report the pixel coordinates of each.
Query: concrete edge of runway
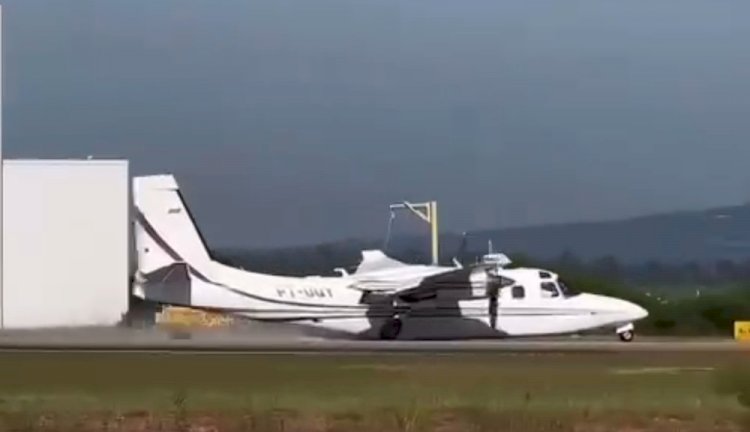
column 267, row 340
column 354, row 347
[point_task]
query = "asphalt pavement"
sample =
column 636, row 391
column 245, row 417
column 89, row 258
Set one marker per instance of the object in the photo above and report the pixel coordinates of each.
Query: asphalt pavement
column 288, row 339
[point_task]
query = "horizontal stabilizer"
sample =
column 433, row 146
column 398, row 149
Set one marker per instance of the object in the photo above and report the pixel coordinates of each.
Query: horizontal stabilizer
column 173, row 273
column 170, row 284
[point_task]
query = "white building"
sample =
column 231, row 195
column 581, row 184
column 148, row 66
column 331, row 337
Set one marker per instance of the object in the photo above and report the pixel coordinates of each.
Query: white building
column 65, row 243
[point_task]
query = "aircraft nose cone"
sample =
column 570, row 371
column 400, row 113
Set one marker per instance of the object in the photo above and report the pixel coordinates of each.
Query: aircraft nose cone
column 637, row 312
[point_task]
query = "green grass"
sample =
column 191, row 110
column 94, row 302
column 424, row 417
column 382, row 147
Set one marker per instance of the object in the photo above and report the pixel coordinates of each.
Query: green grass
column 545, row 388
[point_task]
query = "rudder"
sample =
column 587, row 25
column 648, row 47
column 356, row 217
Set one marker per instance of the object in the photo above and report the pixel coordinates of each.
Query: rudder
column 165, row 231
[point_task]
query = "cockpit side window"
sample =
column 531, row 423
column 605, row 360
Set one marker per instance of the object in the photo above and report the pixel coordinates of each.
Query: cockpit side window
column 549, row 289
column 566, row 290
column 518, row 292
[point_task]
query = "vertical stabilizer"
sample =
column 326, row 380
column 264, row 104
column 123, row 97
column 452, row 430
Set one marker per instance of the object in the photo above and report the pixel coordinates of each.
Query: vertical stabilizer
column 165, row 232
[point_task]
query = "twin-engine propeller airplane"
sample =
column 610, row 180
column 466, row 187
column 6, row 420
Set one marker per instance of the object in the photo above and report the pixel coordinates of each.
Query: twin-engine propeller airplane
column 383, row 298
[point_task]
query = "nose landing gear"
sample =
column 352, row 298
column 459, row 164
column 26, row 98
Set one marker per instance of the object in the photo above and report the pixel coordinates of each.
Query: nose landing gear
column 626, row 332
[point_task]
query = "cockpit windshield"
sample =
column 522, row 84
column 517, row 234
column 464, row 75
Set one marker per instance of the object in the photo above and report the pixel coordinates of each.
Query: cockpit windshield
column 566, row 290
column 549, row 290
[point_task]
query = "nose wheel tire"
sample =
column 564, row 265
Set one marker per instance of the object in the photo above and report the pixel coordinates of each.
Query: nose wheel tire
column 391, row 329
column 626, row 336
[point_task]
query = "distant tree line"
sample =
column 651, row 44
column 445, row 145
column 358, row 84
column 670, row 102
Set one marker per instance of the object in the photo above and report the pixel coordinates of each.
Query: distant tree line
column 323, row 259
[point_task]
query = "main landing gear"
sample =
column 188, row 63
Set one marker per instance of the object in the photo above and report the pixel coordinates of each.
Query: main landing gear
column 391, row 329
column 626, row 332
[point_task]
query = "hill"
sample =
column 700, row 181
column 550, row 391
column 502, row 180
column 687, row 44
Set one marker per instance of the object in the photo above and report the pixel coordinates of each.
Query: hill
column 704, row 237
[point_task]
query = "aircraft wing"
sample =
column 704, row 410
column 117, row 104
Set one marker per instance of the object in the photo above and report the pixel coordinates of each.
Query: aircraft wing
column 374, row 261
column 378, row 272
column 393, row 283
column 416, row 283
column 459, row 282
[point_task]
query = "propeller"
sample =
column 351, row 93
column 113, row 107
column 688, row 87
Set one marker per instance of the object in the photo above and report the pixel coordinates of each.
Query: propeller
column 494, row 284
column 493, row 309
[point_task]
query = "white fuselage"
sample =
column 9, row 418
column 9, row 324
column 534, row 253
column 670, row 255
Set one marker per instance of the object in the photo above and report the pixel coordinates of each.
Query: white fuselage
column 175, row 267
column 329, row 303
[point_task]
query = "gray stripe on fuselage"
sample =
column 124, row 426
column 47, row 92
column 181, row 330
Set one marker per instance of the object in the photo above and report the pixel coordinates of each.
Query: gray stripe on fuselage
column 151, row 231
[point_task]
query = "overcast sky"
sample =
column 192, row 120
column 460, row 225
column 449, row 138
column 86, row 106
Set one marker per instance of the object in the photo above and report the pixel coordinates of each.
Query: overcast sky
column 297, row 121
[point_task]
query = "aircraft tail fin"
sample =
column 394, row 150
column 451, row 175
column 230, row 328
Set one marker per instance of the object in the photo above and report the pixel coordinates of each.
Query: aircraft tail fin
column 165, row 231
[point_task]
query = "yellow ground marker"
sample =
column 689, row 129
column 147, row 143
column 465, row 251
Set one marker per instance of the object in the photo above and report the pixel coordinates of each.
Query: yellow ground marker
column 742, row 331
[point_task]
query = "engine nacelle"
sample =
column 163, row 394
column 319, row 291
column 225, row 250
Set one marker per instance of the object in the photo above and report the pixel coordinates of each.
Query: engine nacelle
column 485, row 281
column 470, row 282
column 479, row 280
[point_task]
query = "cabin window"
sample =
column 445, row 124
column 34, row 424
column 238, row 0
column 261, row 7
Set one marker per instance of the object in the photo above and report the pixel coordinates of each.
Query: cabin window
column 545, row 275
column 518, row 292
column 549, row 289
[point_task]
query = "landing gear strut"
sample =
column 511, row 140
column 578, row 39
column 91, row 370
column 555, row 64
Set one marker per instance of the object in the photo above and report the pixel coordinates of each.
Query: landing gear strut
column 391, row 329
column 626, row 332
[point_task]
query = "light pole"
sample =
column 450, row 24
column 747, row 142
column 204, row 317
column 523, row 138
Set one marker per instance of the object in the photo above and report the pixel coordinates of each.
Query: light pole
column 427, row 211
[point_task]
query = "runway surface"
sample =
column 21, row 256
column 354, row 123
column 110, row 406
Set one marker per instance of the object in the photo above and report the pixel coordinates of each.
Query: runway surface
column 285, row 340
